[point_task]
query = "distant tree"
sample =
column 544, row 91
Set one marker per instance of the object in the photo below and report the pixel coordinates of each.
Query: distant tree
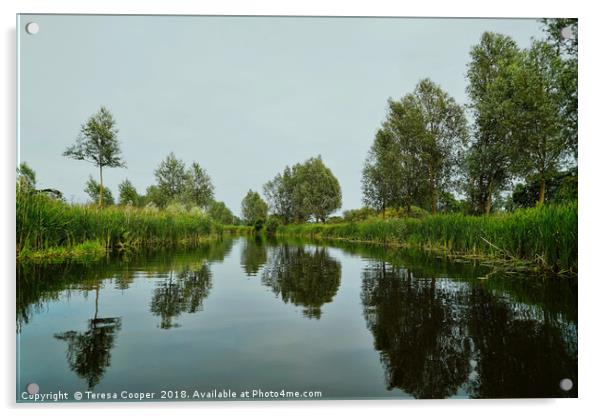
column 317, row 192
column 489, row 159
column 561, row 187
column 199, row 189
column 96, row 191
column 220, row 213
column 128, row 194
column 537, row 127
column 171, row 177
column 155, row 196
column 97, row 144
column 254, row 209
column 26, row 178
column 279, row 193
column 444, row 137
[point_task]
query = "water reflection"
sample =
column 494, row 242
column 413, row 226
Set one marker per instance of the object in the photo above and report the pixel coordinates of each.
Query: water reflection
column 441, row 337
column 89, row 352
column 180, row 292
column 254, row 255
column 305, row 276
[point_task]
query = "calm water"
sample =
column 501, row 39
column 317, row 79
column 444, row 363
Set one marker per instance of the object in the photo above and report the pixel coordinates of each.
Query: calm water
column 351, row 321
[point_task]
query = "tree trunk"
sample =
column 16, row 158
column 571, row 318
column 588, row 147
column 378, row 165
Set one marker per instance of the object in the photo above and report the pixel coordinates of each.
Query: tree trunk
column 542, row 191
column 101, row 189
column 489, row 202
column 384, row 208
column 433, row 199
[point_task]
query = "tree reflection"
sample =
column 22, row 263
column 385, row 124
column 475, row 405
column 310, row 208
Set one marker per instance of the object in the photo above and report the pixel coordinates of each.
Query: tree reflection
column 181, row 292
column 439, row 337
column 423, row 345
column 303, row 276
column 253, row 256
column 89, row 352
column 522, row 351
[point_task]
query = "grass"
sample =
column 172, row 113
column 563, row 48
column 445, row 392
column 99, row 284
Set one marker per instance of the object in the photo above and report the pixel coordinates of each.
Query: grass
column 50, row 229
column 544, row 235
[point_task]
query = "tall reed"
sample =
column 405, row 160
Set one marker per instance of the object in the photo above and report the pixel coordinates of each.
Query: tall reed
column 547, row 234
column 44, row 223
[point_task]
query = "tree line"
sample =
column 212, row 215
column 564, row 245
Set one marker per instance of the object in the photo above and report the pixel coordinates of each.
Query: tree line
column 523, row 104
column 521, row 142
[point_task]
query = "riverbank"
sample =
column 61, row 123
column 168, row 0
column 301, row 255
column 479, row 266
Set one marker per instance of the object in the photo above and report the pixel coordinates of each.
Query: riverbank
column 543, row 237
column 51, row 230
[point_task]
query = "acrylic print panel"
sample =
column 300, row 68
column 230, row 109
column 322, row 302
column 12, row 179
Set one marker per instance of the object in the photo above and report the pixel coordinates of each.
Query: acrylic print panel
column 276, row 208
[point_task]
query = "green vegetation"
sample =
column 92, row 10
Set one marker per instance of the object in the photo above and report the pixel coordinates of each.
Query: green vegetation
column 544, row 235
column 307, row 191
column 51, row 228
column 520, row 151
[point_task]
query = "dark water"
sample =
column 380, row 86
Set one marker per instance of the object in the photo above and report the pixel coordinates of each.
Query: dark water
column 351, row 321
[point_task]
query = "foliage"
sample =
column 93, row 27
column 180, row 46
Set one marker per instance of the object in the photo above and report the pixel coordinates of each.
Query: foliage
column 254, row 209
column 171, row 177
column 43, row 223
column 220, row 213
column 199, row 189
column 272, row 225
column 489, row 159
column 128, row 194
column 545, row 234
column 95, row 191
column 561, row 188
column 97, row 144
column 26, row 178
column 280, row 193
column 416, row 154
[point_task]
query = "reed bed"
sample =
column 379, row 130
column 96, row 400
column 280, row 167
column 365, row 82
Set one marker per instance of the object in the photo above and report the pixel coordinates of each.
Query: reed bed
column 545, row 235
column 44, row 225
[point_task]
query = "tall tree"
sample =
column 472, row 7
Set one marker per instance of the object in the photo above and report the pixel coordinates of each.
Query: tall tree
column 254, row 208
column 128, row 194
column 280, row 193
column 199, row 189
column 381, row 175
column 171, row 177
column 444, row 137
column 97, row 144
column 489, row 90
column 537, row 130
column 317, row 192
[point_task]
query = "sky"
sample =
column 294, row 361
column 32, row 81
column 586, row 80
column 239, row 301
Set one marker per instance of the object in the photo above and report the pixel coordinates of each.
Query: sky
column 242, row 96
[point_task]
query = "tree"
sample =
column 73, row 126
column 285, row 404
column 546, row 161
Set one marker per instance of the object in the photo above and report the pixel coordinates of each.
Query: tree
column 537, row 129
column 443, row 138
column 563, row 37
column 97, row 144
column 280, row 193
column 171, row 177
column 220, row 213
column 97, row 192
column 26, row 178
column 317, row 192
column 254, row 208
column 128, row 194
column 381, row 175
column 490, row 155
column 155, row 196
column 199, row 189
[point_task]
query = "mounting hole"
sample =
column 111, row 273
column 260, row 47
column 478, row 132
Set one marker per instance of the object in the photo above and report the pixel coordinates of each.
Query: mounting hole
column 32, row 388
column 32, row 28
column 566, row 384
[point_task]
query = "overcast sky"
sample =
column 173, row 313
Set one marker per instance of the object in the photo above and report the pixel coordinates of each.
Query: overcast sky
column 243, row 96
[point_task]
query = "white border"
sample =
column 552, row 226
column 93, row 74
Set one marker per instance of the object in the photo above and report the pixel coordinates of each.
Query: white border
column 590, row 290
